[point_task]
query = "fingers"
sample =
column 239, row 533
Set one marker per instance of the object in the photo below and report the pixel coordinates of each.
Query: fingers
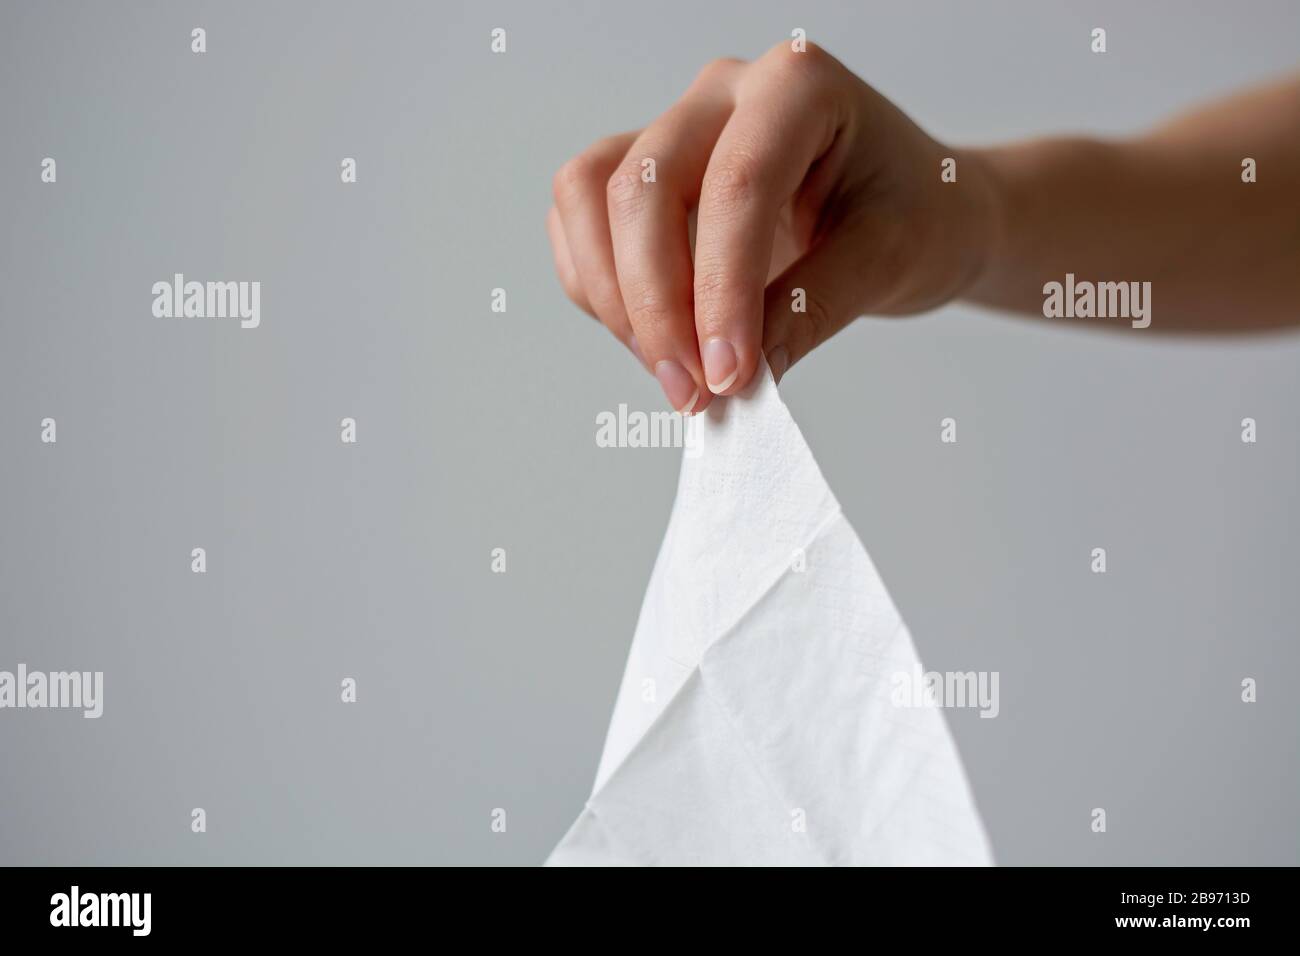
column 782, row 124
column 740, row 144
column 564, row 267
column 583, row 221
column 649, row 197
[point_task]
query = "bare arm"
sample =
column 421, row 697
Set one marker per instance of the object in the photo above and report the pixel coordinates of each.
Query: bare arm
column 820, row 201
column 1169, row 207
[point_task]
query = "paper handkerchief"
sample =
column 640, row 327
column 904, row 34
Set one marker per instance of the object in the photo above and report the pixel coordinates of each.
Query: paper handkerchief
column 754, row 724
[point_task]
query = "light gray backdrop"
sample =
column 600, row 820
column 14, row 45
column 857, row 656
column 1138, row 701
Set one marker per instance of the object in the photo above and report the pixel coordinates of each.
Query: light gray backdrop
column 476, row 430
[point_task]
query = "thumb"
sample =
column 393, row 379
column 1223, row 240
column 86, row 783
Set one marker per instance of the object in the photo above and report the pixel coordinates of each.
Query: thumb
column 811, row 300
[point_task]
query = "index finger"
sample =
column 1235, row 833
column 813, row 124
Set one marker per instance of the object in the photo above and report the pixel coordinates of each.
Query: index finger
column 780, row 127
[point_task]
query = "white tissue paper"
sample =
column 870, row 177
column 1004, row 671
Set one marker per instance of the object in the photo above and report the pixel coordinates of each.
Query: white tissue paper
column 754, row 724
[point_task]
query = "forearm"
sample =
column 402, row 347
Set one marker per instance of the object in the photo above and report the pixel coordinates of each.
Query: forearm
column 1169, row 208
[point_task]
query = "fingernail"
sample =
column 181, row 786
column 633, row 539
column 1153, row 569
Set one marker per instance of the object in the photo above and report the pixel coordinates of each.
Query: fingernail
column 779, row 360
column 720, row 365
column 677, row 385
column 635, row 346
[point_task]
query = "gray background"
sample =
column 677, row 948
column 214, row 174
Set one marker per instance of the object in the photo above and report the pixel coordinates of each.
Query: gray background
column 476, row 431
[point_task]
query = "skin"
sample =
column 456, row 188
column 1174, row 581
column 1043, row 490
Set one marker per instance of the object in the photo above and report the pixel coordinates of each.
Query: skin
column 791, row 173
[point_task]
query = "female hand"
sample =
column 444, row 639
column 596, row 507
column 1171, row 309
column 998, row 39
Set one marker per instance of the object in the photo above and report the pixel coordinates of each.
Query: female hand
column 799, row 173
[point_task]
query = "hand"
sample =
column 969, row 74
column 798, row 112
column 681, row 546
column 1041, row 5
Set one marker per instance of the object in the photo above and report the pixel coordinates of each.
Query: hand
column 799, row 173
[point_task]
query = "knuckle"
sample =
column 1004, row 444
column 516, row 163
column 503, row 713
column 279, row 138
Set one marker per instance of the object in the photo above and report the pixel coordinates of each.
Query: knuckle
column 573, row 177
column 818, row 323
column 717, row 70
column 816, row 58
column 570, row 282
column 732, row 183
column 605, row 295
column 800, row 332
column 811, row 67
column 625, row 193
column 717, row 288
column 723, row 298
column 573, row 290
column 811, row 54
column 648, row 305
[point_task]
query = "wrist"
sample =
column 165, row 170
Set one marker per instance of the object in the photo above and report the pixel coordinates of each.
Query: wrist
column 985, row 231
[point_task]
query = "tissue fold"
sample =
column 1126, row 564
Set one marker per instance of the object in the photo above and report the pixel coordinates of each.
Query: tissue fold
column 755, row 723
